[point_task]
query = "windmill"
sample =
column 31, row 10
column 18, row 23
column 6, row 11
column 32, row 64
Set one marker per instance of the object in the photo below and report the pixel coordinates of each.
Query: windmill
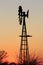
column 24, row 51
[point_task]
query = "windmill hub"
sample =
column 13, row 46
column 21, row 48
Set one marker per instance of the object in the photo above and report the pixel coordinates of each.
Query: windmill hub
column 22, row 15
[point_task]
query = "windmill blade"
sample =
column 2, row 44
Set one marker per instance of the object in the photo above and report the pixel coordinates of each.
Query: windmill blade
column 20, row 15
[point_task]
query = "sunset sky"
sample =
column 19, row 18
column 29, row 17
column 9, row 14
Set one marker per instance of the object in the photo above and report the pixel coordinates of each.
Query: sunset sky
column 10, row 28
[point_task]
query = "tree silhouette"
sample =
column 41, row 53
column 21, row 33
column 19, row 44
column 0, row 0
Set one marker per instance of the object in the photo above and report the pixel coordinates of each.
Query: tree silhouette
column 3, row 55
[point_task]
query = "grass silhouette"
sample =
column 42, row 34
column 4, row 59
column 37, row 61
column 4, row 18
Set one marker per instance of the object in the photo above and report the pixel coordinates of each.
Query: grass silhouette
column 35, row 60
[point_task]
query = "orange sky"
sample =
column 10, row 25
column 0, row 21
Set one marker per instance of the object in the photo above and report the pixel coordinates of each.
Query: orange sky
column 10, row 28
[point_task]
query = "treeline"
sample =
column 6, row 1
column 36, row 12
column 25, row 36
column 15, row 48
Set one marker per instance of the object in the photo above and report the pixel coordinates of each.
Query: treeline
column 34, row 60
column 6, row 63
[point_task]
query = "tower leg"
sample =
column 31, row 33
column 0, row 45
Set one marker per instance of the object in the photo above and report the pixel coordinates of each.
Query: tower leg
column 24, row 52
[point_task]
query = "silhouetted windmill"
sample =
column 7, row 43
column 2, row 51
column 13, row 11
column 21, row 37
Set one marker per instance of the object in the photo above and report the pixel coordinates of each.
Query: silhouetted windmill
column 24, row 51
